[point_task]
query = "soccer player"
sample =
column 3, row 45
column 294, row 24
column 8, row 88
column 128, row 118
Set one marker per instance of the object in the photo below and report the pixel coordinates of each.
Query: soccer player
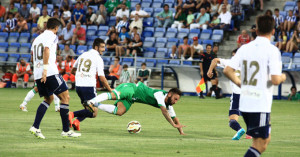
column 128, row 93
column 260, row 64
column 48, row 80
column 87, row 66
column 234, row 111
column 31, row 94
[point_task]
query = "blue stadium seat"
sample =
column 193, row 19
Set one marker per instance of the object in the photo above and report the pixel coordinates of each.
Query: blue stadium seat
column 13, row 37
column 156, row 4
column 171, row 42
column 73, row 47
column 160, row 42
column 217, row 35
column 106, row 60
column 3, row 37
column 102, row 30
column 139, row 61
column 112, row 21
column 3, row 25
column 296, row 59
column 170, row 1
column 24, row 37
column 171, row 5
column 13, row 58
column 40, row 6
column 194, row 33
column 61, row 46
column 104, row 37
column 149, row 52
column 151, row 62
column 13, row 48
column 187, row 63
column 283, row 13
column 183, row 32
column 33, row 36
column 95, row 8
column 171, row 33
column 148, row 22
column 17, row 5
column 206, row 33
column 174, row 62
column 148, row 42
column 25, row 48
column 90, row 40
column 148, row 32
column 81, row 49
column 161, row 52
column 205, row 42
column 288, row 8
column 3, row 57
column 157, row 10
column 150, row 11
column 146, row 3
column 26, row 57
column 91, row 30
column 289, row 5
column 3, row 47
column 134, row 2
column 159, row 63
column 159, row 32
column 50, row 6
column 286, row 57
column 128, row 61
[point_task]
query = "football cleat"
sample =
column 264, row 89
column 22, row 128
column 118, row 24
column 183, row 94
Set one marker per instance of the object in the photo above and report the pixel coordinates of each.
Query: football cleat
column 57, row 109
column 239, row 134
column 23, row 107
column 70, row 133
column 71, row 116
column 37, row 132
column 248, row 137
column 76, row 125
column 88, row 105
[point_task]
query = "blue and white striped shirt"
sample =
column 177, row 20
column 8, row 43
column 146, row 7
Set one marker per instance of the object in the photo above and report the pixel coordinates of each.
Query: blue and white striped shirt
column 292, row 19
column 278, row 20
column 121, row 24
column 11, row 23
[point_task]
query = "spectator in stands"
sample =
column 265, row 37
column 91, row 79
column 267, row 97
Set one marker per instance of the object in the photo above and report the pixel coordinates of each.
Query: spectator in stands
column 100, row 16
column 282, row 40
column 226, row 4
column 11, row 23
column 214, row 7
column 143, row 74
column 294, row 96
column 133, row 32
column 279, row 21
column 180, row 18
column 181, row 48
column 114, row 72
column 214, row 22
column 6, row 79
column 215, row 50
column 12, row 9
column 123, row 23
column 22, row 70
column 2, row 12
column 292, row 44
column 289, row 21
column 165, row 17
column 69, row 63
column 269, row 12
column 125, row 75
column 111, row 30
column 96, row 2
column 88, row 16
column 202, row 20
column 203, row 4
column 123, row 34
column 253, row 32
column 138, row 11
column 67, row 52
column 111, row 6
column 127, row 3
column 296, row 10
column 55, row 10
column 179, row 3
column 190, row 5
column 64, row 3
column 79, row 34
column 236, row 12
column 63, row 24
column 243, row 38
column 247, row 6
column 34, row 12
column 78, row 14
column 122, row 48
column 259, row 5
column 136, row 23
column 195, row 48
column 41, row 21
column 135, row 46
column 112, row 43
column 66, row 15
column 22, row 24
column 66, row 35
column 190, row 19
column 122, row 12
column 45, row 7
column 225, row 19
column 60, row 64
column 24, row 11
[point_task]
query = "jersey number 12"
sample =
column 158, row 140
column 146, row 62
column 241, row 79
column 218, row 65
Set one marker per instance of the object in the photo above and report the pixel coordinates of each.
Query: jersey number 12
column 252, row 81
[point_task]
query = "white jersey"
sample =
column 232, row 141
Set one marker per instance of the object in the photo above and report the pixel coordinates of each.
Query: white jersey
column 88, row 64
column 258, row 61
column 46, row 39
column 160, row 98
column 234, row 87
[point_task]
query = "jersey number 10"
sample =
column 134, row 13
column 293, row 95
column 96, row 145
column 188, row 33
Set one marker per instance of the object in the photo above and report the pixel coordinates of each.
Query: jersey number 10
column 252, row 81
column 36, row 49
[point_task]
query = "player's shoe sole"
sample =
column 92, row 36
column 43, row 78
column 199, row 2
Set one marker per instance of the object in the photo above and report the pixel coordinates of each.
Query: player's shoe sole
column 88, row 106
column 76, row 125
column 71, row 116
column 239, row 134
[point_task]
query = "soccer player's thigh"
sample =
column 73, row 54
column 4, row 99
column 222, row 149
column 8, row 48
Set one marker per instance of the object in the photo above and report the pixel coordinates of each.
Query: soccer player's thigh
column 234, row 111
column 85, row 94
column 44, row 91
column 59, row 87
column 123, row 106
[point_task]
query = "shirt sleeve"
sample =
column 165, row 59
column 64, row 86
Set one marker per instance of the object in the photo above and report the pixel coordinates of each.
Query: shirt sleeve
column 100, row 67
column 235, row 61
column 223, row 63
column 171, row 112
column 160, row 98
column 275, row 63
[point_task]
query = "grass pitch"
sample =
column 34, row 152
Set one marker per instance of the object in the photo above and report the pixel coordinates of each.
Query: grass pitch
column 208, row 133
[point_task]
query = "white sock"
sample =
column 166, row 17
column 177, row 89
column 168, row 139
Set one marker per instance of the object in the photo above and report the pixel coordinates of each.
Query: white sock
column 101, row 97
column 112, row 109
column 56, row 100
column 29, row 96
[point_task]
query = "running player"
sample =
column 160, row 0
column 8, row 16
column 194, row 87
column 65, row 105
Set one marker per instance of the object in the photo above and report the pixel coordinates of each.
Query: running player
column 48, row 80
column 234, row 111
column 87, row 66
column 128, row 93
column 260, row 64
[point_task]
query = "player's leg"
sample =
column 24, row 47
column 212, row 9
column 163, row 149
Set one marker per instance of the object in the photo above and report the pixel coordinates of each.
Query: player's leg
column 56, row 103
column 26, row 79
column 120, row 107
column 14, row 81
column 28, row 97
column 173, row 51
column 234, row 114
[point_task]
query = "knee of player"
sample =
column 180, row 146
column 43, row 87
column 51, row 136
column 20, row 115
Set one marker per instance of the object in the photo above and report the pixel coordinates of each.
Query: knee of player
column 94, row 115
column 119, row 114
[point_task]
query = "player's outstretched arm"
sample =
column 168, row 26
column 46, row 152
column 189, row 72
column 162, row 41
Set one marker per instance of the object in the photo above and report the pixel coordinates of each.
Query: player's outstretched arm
column 169, row 119
column 212, row 66
column 230, row 73
column 278, row 79
column 176, row 121
column 46, row 55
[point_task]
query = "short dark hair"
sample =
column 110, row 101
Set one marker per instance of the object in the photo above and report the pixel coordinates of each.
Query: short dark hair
column 186, row 37
column 56, row 7
column 175, row 91
column 125, row 66
column 144, row 64
column 166, row 5
column 97, row 42
column 265, row 24
column 33, row 2
column 66, row 7
column 123, row 27
column 24, row 3
column 52, row 23
column 78, row 3
column 235, row 50
column 293, row 87
column 135, row 27
column 44, row 5
column 117, row 58
column 138, row 4
column 276, row 9
column 298, row 1
column 208, row 45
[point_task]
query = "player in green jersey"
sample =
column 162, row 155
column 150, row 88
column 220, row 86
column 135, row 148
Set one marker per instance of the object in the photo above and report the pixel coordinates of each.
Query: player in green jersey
column 128, row 93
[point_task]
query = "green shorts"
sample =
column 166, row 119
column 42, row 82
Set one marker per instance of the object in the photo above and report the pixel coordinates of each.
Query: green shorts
column 124, row 93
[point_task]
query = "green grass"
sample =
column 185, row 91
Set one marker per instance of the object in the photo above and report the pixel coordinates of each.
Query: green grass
column 208, row 133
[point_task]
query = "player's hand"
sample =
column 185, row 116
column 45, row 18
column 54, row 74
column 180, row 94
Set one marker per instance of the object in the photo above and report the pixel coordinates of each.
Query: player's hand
column 44, row 76
column 210, row 74
column 283, row 77
column 201, row 73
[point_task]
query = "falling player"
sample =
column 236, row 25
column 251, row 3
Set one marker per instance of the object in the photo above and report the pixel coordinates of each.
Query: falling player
column 128, row 93
column 234, row 111
column 48, row 80
column 87, row 66
column 260, row 64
